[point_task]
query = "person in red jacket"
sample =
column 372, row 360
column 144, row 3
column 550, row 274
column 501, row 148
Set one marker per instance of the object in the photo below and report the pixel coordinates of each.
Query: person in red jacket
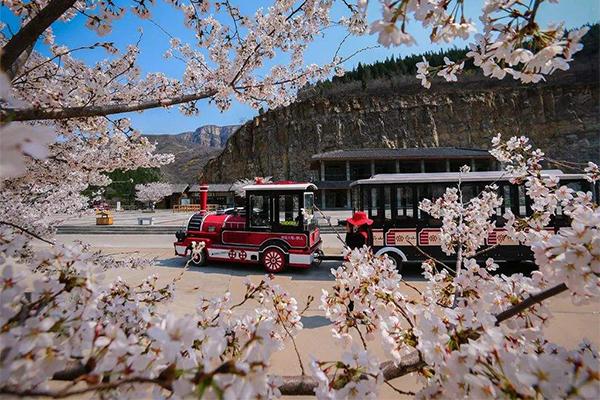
column 357, row 230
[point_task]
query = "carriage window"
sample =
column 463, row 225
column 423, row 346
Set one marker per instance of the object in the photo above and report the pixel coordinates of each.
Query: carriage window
column 522, row 201
column 387, row 202
column 404, row 202
column 289, row 210
column 469, row 191
column 356, row 198
column 576, row 186
column 374, row 205
column 259, row 206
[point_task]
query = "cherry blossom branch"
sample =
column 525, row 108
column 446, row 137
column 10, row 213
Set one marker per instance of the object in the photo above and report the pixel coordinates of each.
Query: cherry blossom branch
column 530, row 301
column 28, row 34
column 31, row 114
column 303, row 385
column 24, row 230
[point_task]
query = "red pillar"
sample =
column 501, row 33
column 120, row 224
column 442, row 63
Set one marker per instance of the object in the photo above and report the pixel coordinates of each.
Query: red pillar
column 203, row 196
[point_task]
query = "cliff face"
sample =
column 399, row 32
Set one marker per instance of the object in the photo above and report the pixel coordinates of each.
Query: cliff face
column 191, row 150
column 562, row 117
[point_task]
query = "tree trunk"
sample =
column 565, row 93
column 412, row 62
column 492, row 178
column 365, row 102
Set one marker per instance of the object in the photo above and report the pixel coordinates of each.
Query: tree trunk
column 29, row 33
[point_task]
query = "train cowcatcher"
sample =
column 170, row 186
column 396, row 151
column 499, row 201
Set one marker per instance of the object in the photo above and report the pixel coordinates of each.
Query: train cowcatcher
column 276, row 228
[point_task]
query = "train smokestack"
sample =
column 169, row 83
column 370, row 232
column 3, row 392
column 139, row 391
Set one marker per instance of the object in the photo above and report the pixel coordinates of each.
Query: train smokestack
column 203, row 196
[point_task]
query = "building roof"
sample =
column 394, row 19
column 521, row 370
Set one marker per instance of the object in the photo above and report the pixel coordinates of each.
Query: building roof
column 212, row 187
column 398, row 154
column 282, row 186
column 178, row 187
column 219, row 187
column 433, row 177
column 333, row 184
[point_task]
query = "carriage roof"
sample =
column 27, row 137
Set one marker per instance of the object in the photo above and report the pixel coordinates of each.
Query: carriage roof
column 281, row 187
column 434, row 177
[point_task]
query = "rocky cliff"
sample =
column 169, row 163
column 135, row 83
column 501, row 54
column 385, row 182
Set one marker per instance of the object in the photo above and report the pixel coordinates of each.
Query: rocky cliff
column 561, row 116
column 192, row 150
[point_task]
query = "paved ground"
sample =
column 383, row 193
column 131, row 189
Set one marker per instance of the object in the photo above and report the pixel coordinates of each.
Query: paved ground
column 567, row 328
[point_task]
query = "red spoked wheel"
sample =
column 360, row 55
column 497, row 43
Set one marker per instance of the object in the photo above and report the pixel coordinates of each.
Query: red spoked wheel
column 273, row 260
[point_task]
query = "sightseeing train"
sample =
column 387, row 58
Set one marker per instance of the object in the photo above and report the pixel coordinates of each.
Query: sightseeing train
column 276, row 228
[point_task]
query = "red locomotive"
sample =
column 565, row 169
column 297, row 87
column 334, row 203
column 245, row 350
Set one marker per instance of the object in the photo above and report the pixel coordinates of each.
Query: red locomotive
column 276, row 228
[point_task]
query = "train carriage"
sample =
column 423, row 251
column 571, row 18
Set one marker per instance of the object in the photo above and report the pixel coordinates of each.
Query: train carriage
column 399, row 227
column 276, row 229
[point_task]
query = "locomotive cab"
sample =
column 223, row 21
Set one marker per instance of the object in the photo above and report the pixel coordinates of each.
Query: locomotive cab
column 276, row 228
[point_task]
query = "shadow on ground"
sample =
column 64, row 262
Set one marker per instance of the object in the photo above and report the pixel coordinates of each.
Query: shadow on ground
column 314, row 321
column 411, row 271
column 315, row 273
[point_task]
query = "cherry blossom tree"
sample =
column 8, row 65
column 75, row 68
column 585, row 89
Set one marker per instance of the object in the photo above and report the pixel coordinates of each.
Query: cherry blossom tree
column 511, row 43
column 152, row 193
column 468, row 333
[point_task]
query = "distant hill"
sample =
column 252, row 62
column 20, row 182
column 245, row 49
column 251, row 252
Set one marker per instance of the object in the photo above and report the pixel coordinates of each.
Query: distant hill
column 192, row 150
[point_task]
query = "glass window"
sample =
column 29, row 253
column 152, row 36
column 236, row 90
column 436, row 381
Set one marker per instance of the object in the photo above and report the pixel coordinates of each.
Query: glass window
column 456, row 164
column 289, row 209
column 360, row 170
column 336, row 198
column 385, row 167
column 356, row 198
column 259, row 204
column 522, row 201
column 335, row 171
column 469, row 191
column 374, row 207
column 365, row 198
column 409, row 167
column 484, row 165
column 387, row 202
column 435, row 166
column 404, row 202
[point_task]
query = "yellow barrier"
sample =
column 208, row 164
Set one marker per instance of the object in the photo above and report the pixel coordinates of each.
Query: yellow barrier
column 193, row 207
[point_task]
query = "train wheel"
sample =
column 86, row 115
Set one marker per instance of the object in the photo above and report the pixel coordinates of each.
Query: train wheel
column 273, row 260
column 396, row 260
column 319, row 259
column 198, row 259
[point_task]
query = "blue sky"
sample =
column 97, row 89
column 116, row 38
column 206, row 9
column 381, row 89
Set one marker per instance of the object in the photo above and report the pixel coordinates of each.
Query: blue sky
column 154, row 42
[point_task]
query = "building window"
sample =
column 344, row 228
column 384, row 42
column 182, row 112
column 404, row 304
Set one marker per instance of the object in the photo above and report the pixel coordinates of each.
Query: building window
column 407, row 167
column 360, row 170
column 435, row 166
column 335, row 172
column 385, row 167
column 483, row 165
column 336, row 198
column 456, row 164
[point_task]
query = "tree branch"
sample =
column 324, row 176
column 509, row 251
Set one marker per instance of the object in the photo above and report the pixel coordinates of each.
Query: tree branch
column 31, row 114
column 528, row 302
column 29, row 33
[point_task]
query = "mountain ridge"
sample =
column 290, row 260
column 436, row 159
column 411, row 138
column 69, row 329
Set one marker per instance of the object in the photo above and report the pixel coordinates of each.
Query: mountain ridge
column 192, row 150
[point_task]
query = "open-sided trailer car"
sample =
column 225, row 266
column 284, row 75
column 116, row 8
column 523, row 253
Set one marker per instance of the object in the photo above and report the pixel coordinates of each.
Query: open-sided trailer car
column 276, row 228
